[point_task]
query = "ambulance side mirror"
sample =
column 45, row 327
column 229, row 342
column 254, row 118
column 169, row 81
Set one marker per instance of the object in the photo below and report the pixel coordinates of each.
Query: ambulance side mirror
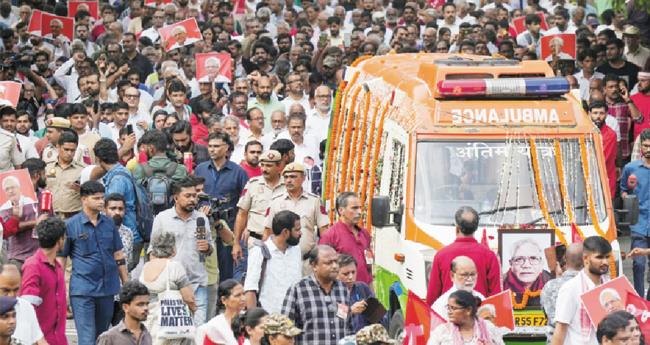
column 629, row 213
column 381, row 214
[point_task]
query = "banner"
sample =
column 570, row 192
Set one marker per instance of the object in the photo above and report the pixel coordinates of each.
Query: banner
column 501, row 305
column 157, row 3
column 57, row 27
column 419, row 321
column 180, row 34
column 91, row 7
column 606, row 298
column 34, row 27
column 561, row 45
column 213, row 67
column 17, row 189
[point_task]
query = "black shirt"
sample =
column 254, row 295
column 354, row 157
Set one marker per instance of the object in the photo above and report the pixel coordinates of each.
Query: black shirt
column 629, row 72
column 141, row 64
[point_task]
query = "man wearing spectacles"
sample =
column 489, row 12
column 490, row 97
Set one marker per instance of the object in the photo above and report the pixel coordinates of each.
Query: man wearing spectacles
column 463, row 275
column 526, row 269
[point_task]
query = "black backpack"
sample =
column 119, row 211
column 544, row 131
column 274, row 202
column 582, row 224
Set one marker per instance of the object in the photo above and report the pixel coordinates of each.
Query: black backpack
column 158, row 183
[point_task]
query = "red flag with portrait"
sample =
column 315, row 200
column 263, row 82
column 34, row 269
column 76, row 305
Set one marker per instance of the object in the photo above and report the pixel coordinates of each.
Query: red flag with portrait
column 640, row 308
column 34, row 27
column 502, row 303
column 67, row 26
column 91, row 7
column 180, row 34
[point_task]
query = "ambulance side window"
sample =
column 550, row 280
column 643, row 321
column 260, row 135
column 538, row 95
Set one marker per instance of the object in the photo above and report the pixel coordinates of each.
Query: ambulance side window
column 397, row 176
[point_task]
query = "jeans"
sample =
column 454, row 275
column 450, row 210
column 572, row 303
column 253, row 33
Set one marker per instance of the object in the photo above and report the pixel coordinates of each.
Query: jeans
column 92, row 316
column 201, row 297
column 639, row 262
column 242, row 265
column 224, row 253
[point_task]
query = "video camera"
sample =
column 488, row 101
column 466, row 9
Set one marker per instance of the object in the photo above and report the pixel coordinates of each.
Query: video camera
column 218, row 209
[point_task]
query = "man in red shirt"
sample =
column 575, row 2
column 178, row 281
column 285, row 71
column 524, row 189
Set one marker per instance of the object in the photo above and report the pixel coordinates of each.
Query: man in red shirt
column 347, row 237
column 488, row 281
column 251, row 162
column 43, row 282
column 598, row 113
column 641, row 100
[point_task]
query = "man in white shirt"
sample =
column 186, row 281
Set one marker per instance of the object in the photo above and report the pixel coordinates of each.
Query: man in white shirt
column 463, row 275
column 279, row 124
column 572, row 323
column 296, row 92
column 449, row 20
column 587, row 60
column 158, row 20
column 497, row 3
column 305, row 146
column 562, row 23
column 275, row 264
column 318, row 120
column 138, row 117
column 634, row 52
column 27, row 329
column 531, row 37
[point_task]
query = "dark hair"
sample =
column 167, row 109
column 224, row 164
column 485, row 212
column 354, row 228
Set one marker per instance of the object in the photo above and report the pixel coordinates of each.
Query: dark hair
column 611, row 325
column 251, row 318
column 91, row 188
column 588, row 52
column 597, row 105
column 132, row 289
column 448, row 4
column 178, row 186
column 562, row 12
column 532, row 19
column 467, row 225
column 68, row 137
column 120, row 105
column 610, row 77
column 345, row 260
column 34, row 165
column 155, row 138
column 466, row 300
column 283, row 146
column 618, row 42
column 283, row 220
column 596, row 244
column 236, row 94
column 252, row 143
column 250, row 110
column 297, row 116
column 106, row 151
column 645, row 135
column 176, row 85
column 313, row 254
column 115, row 197
column 225, row 289
column 78, row 108
column 50, row 231
column 223, row 137
column 181, row 126
column 333, row 20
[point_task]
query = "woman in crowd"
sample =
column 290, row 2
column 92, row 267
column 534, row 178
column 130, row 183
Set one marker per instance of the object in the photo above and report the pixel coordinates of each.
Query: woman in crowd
column 219, row 330
column 161, row 273
column 279, row 330
column 249, row 326
column 464, row 327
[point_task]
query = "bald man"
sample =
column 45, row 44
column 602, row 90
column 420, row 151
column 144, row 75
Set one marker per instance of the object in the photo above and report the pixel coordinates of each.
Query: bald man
column 574, row 264
column 27, row 329
column 463, row 276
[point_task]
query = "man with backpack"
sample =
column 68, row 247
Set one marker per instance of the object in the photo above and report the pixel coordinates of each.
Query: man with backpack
column 117, row 179
column 158, row 173
column 275, row 264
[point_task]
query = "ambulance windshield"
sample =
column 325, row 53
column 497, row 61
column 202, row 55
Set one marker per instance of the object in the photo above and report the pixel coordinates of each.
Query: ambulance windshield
column 497, row 178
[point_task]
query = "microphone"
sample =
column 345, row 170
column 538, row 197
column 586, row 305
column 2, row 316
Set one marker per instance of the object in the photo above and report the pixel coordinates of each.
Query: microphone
column 200, row 234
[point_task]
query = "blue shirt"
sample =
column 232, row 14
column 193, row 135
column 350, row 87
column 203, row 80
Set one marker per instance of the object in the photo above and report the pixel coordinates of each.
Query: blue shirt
column 642, row 191
column 116, row 182
column 226, row 183
column 91, row 248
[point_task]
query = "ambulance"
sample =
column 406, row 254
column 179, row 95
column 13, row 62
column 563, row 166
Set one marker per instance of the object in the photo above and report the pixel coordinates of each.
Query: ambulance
column 417, row 136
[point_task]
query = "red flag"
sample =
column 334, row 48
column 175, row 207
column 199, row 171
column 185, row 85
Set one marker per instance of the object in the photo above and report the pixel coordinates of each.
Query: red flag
column 640, row 308
column 575, row 235
column 484, row 239
column 420, row 320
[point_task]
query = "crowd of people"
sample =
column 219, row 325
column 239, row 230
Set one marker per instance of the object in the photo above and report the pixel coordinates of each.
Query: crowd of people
column 188, row 209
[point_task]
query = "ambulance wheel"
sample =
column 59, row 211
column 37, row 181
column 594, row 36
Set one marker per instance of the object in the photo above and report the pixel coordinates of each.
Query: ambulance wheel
column 396, row 326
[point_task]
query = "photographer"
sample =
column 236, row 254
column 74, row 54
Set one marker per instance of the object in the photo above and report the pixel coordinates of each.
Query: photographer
column 220, row 232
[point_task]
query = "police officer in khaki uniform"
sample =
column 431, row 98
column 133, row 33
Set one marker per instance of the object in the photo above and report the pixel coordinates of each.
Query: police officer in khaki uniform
column 255, row 202
column 55, row 128
column 313, row 217
column 10, row 155
column 63, row 176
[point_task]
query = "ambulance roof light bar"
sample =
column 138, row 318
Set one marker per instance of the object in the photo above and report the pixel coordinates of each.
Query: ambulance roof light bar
column 460, row 61
column 505, row 87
